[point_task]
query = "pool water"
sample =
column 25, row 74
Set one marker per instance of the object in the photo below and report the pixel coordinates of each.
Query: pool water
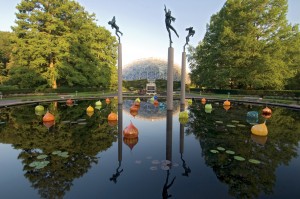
column 213, row 155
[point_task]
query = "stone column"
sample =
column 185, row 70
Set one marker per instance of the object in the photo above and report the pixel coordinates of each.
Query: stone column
column 183, row 74
column 170, row 79
column 120, row 98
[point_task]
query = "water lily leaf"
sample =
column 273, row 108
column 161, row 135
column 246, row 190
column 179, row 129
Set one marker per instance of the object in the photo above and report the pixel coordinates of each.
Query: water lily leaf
column 34, row 164
column 41, row 156
column 235, row 121
column 230, row 125
column 40, row 166
column 230, row 152
column 254, row 161
column 241, row 125
column 219, row 122
column 214, row 151
column 81, row 120
column 82, row 123
column 220, row 148
column 65, row 122
column 56, row 152
column 239, row 158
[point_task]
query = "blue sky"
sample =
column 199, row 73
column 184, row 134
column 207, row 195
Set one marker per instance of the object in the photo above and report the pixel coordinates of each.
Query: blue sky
column 143, row 22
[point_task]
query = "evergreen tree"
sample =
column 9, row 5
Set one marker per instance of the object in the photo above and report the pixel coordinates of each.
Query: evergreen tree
column 247, row 45
column 5, row 55
column 58, row 43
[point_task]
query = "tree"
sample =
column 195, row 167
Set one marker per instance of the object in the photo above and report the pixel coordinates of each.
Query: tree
column 247, row 45
column 58, row 42
column 5, row 54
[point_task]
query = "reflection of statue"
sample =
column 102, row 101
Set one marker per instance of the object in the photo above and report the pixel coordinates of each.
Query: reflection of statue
column 117, row 174
column 114, row 25
column 187, row 169
column 165, row 194
column 191, row 33
column 168, row 20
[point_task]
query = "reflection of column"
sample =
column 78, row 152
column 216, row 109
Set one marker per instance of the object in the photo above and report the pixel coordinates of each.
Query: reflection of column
column 181, row 149
column 170, row 79
column 182, row 89
column 120, row 74
column 120, row 129
column 169, row 135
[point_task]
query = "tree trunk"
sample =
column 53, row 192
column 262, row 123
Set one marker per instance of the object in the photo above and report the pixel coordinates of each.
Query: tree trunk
column 53, row 80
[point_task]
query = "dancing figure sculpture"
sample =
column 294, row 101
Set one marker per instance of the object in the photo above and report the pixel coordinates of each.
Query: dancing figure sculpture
column 114, row 26
column 168, row 20
column 187, row 39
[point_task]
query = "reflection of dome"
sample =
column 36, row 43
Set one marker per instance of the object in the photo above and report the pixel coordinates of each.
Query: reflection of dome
column 148, row 111
column 150, row 68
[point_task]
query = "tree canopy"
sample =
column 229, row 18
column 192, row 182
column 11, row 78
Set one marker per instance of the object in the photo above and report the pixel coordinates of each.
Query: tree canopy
column 248, row 44
column 57, row 43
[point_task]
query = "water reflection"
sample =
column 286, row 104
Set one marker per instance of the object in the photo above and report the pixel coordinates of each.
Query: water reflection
column 120, row 131
column 168, row 161
column 81, row 142
column 225, row 138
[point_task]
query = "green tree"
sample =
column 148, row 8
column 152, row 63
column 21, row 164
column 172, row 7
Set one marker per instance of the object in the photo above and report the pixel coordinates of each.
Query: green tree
column 247, row 45
column 58, row 43
column 5, row 54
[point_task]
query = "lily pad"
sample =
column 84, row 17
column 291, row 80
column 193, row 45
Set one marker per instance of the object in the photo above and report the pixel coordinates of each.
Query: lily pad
column 241, row 125
column 220, row 148
column 81, row 120
column 219, row 122
column 155, row 162
column 230, row 152
column 82, row 123
column 34, row 164
column 214, row 151
column 153, row 168
column 56, row 152
column 254, row 161
column 41, row 156
column 235, row 121
column 239, row 158
column 230, row 125
column 65, row 122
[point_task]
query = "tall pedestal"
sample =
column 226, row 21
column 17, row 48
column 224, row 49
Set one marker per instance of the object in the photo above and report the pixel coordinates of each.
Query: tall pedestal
column 120, row 132
column 183, row 74
column 170, row 79
column 120, row 97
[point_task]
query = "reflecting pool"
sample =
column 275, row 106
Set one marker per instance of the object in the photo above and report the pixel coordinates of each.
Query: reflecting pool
column 212, row 154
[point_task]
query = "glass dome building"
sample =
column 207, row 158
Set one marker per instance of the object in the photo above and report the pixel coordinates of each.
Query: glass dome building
column 150, row 68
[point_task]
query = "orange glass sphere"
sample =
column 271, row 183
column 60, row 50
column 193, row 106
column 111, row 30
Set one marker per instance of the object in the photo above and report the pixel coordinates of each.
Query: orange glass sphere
column 130, row 131
column 226, row 103
column 48, row 117
column 107, row 100
column 112, row 117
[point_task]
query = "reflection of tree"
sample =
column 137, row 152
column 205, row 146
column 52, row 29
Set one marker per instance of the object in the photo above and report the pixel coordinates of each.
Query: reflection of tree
column 25, row 131
column 186, row 168
column 245, row 180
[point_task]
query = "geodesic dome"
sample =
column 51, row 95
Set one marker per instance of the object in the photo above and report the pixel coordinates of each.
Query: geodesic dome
column 150, row 69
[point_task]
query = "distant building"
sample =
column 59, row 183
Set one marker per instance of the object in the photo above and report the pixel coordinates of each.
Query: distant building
column 151, row 69
column 151, row 88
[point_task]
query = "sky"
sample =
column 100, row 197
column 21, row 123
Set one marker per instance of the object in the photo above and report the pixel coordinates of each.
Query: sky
column 143, row 23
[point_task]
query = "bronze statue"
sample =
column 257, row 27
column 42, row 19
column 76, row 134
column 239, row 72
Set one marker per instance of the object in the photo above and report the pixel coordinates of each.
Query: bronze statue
column 168, row 20
column 191, row 33
column 114, row 25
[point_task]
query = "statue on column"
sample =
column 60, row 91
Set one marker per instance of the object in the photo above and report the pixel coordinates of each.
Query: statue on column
column 168, row 20
column 187, row 39
column 114, row 26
